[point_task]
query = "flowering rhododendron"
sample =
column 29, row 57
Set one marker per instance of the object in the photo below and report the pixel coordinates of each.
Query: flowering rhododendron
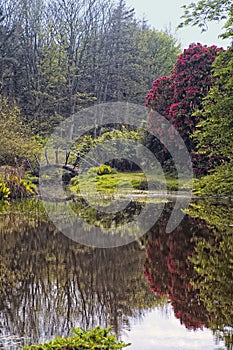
column 178, row 96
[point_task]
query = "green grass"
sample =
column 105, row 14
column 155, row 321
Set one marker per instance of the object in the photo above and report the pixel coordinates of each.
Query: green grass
column 121, row 182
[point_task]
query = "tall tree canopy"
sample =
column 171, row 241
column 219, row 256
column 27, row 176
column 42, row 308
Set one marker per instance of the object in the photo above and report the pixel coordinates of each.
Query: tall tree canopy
column 203, row 11
column 60, row 56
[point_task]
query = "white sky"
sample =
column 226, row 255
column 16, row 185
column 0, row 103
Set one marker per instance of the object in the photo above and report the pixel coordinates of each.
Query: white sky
column 158, row 331
column 166, row 13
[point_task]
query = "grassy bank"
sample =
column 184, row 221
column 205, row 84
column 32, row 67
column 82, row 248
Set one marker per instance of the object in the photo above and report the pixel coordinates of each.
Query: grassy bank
column 15, row 183
column 122, row 182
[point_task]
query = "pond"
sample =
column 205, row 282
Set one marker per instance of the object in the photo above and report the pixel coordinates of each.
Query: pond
column 160, row 291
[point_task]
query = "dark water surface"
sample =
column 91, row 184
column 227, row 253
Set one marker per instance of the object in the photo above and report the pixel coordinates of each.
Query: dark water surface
column 163, row 291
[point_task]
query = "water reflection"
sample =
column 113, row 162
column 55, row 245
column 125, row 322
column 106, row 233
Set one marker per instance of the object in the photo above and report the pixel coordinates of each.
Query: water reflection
column 213, row 262
column 193, row 266
column 49, row 283
column 170, row 272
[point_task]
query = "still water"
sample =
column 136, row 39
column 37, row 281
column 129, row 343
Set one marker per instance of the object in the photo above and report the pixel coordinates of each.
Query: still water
column 163, row 291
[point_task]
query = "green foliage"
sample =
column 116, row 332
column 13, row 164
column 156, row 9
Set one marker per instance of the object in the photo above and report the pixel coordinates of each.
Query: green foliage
column 17, row 141
column 217, row 213
column 215, row 132
column 218, row 183
column 96, row 338
column 85, row 143
column 158, row 53
column 8, row 279
column 213, row 261
column 199, row 13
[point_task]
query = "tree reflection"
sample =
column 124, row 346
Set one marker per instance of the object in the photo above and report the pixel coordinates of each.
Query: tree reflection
column 49, row 283
column 170, row 272
column 213, row 263
column 193, row 266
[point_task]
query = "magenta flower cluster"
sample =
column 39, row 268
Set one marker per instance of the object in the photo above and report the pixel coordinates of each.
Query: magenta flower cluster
column 177, row 96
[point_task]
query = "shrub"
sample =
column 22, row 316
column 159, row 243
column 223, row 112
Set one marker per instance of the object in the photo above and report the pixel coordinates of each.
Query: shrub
column 17, row 141
column 19, row 186
column 96, row 339
column 103, row 169
column 178, row 96
column 218, row 183
column 4, row 192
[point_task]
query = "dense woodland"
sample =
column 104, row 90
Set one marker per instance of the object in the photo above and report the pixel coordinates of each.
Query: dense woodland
column 61, row 56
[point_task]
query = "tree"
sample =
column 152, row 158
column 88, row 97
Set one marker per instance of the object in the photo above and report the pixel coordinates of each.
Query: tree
column 214, row 133
column 158, row 53
column 198, row 14
column 9, row 54
column 176, row 97
column 60, row 56
column 50, row 93
column 17, row 142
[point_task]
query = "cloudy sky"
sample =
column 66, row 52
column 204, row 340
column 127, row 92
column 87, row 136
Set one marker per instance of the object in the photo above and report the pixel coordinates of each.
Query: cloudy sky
column 166, row 13
column 162, row 331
